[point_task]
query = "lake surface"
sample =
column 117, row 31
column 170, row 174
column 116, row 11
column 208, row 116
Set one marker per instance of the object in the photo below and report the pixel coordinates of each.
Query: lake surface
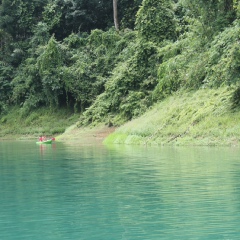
column 68, row 191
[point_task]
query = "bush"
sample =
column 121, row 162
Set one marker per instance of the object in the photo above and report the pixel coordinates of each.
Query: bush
column 236, row 98
column 224, row 58
column 155, row 21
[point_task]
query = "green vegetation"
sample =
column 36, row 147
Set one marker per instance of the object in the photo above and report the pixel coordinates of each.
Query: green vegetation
column 66, row 56
column 203, row 117
column 39, row 122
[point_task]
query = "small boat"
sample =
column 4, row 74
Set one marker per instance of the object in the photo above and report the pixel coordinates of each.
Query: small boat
column 49, row 141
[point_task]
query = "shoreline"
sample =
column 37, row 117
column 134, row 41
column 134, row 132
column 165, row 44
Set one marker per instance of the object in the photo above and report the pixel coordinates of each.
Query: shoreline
column 73, row 133
column 97, row 135
column 86, row 135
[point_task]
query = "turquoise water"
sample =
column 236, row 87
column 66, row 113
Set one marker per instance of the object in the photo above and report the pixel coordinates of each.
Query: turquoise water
column 94, row 192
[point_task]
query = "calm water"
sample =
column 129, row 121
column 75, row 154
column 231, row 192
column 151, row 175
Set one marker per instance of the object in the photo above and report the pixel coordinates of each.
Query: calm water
column 118, row 193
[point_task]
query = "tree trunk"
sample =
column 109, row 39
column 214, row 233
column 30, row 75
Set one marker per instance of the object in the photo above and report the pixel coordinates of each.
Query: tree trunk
column 115, row 15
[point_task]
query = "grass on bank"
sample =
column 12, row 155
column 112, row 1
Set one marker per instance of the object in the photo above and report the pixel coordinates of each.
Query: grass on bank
column 203, row 117
column 42, row 121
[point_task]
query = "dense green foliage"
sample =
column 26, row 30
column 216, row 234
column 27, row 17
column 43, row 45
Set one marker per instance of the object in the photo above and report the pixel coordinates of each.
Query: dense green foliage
column 57, row 53
column 155, row 21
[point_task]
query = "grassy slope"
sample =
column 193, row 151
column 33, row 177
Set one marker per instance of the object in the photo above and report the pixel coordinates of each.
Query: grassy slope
column 40, row 122
column 59, row 123
column 203, row 117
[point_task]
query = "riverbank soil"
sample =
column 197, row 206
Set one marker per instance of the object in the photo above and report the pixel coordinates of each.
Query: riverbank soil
column 87, row 135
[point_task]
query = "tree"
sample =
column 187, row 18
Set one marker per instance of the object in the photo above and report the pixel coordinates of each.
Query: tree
column 5, row 85
column 115, row 15
column 5, row 39
column 50, row 62
column 213, row 15
column 19, row 17
column 155, row 21
column 77, row 16
column 127, row 10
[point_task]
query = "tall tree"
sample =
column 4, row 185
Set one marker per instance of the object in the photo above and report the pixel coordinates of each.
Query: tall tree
column 50, row 62
column 115, row 14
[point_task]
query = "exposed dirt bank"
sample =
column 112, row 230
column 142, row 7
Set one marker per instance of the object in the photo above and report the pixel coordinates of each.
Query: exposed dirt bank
column 87, row 135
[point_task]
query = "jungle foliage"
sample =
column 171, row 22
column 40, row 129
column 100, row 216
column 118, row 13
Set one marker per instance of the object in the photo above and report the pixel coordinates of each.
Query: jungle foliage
column 67, row 54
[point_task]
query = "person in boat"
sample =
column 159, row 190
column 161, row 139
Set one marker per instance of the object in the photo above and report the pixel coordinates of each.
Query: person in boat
column 42, row 139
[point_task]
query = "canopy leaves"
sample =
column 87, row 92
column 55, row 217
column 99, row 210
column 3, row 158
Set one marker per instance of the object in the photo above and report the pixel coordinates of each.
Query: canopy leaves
column 67, row 53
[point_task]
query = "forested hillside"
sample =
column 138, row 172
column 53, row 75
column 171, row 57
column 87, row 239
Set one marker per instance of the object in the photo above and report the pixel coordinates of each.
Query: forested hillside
column 71, row 54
